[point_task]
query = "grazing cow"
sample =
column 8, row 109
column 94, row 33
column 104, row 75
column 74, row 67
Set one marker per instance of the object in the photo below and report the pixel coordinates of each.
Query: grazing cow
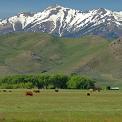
column 36, row 91
column 4, row 90
column 29, row 93
column 9, row 91
column 56, row 90
column 88, row 94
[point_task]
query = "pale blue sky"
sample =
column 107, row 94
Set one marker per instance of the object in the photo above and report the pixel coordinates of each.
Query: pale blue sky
column 12, row 7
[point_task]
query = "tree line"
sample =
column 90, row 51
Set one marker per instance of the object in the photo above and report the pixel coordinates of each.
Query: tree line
column 47, row 81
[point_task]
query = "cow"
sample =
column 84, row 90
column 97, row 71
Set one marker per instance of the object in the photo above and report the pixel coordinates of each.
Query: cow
column 56, row 90
column 36, row 91
column 29, row 93
column 88, row 94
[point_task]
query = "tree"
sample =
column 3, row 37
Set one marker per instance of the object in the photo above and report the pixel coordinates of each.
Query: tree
column 78, row 82
column 59, row 81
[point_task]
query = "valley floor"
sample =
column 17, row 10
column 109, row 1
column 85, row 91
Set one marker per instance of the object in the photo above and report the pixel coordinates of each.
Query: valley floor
column 62, row 106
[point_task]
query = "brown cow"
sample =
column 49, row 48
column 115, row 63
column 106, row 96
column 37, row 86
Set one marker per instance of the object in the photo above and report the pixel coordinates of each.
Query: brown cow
column 29, row 93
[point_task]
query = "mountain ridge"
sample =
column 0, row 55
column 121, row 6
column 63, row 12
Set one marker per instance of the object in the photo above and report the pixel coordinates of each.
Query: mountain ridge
column 66, row 22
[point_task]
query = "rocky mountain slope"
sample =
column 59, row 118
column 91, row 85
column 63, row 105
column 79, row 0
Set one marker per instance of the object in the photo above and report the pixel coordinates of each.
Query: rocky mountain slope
column 66, row 22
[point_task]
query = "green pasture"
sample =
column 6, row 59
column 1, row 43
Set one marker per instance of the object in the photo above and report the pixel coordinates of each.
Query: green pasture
column 62, row 106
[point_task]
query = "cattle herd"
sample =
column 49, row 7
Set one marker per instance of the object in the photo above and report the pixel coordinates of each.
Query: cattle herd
column 35, row 91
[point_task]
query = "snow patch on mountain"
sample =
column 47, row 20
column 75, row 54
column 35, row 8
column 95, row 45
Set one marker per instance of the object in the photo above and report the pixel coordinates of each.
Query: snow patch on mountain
column 60, row 20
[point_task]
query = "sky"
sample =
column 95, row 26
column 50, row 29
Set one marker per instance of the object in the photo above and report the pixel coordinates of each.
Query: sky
column 12, row 7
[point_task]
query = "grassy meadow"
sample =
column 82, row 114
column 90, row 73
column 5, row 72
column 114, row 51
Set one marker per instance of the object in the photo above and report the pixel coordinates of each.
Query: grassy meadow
column 62, row 106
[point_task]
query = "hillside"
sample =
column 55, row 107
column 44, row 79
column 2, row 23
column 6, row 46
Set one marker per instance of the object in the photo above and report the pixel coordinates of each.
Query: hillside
column 22, row 53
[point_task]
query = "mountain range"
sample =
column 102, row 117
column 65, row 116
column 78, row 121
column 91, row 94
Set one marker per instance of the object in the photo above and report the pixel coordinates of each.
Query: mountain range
column 66, row 22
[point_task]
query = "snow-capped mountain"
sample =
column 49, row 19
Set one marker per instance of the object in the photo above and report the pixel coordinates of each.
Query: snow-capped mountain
column 66, row 22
